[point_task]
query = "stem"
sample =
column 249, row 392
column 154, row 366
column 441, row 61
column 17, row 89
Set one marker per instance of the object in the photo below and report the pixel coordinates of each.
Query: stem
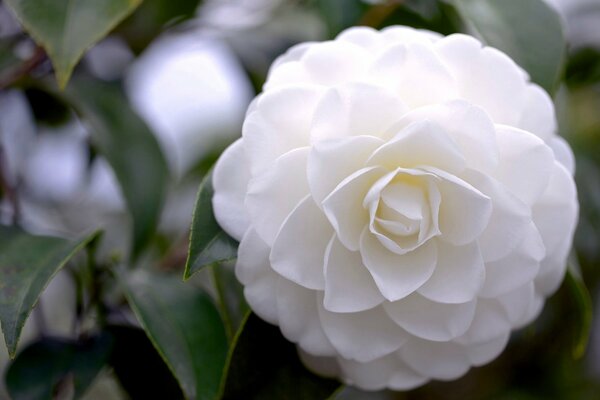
column 9, row 188
column 38, row 57
column 222, row 302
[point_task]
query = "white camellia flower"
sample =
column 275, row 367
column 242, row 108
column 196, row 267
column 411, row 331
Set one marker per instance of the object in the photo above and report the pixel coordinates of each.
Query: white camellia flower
column 403, row 202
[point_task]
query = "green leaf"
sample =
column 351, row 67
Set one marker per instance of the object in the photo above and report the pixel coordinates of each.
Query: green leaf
column 209, row 244
column 529, row 31
column 263, row 365
column 152, row 18
column 131, row 149
column 340, row 14
column 44, row 367
column 66, row 29
column 184, row 326
column 584, row 311
column 27, row 264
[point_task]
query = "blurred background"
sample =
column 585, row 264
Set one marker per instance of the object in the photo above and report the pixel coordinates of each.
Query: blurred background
column 189, row 69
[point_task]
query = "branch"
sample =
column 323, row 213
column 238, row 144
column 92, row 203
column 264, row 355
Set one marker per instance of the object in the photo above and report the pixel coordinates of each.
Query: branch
column 22, row 70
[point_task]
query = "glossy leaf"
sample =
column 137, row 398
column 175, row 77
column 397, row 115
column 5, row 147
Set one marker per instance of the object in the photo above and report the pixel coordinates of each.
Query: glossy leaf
column 66, row 29
column 51, row 364
column 131, row 149
column 262, row 364
column 530, row 31
column 27, row 264
column 184, row 326
column 209, row 244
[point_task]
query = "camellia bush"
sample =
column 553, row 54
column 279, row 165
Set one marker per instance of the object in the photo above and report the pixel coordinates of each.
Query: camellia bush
column 407, row 209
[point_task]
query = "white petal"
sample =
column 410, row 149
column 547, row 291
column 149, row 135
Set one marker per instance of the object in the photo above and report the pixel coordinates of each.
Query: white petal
column 299, row 249
column 522, row 305
column 355, row 109
column 555, row 215
column 482, row 353
column 464, row 210
column 323, row 366
column 230, row 182
column 388, row 371
column 526, row 163
column 363, row 336
column 431, row 320
column 563, row 153
column 298, row 316
column 365, row 37
column 416, row 73
column 509, row 220
column 280, row 122
column 348, row 285
column 491, row 320
column 287, row 74
column 294, row 53
column 254, row 271
column 397, row 275
column 517, row 268
column 420, row 143
column 439, row 360
column 538, row 115
column 333, row 63
column 331, row 161
column 404, row 34
column 344, row 206
column 373, row 375
column 485, row 77
column 271, row 197
column 458, row 276
column 469, row 126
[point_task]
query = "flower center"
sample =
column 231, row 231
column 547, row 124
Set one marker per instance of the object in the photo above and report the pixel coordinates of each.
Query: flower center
column 402, row 214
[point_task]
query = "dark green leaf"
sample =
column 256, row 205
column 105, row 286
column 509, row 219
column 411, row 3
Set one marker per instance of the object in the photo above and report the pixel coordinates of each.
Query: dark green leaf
column 530, row 31
column 46, row 366
column 184, row 326
column 140, row 369
column 132, row 151
column 263, row 365
column 584, row 311
column 152, row 18
column 66, row 29
column 27, row 264
column 340, row 14
column 209, row 244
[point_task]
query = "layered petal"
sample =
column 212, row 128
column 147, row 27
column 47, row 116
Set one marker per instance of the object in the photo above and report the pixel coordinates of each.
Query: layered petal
column 254, row 271
column 332, row 161
column 298, row 252
column 439, row 360
column 298, row 318
column 280, row 122
column 355, row 109
column 348, row 285
column 363, row 336
column 397, row 275
column 431, row 320
column 230, row 183
column 458, row 275
column 270, row 198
